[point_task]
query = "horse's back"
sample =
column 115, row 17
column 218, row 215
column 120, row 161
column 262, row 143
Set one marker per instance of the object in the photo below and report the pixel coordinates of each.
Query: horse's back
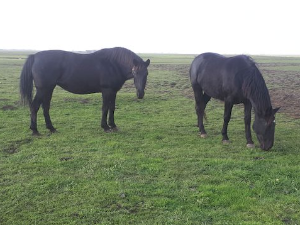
column 217, row 75
column 203, row 63
column 51, row 58
column 76, row 73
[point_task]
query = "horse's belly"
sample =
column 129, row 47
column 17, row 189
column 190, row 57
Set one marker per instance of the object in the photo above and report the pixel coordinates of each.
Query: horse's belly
column 227, row 96
column 81, row 87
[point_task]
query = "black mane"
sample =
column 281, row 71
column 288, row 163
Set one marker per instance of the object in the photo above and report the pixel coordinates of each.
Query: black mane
column 254, row 87
column 121, row 55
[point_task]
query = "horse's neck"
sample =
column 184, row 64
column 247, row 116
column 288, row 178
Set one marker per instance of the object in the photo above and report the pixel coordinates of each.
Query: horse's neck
column 127, row 71
column 256, row 91
column 123, row 65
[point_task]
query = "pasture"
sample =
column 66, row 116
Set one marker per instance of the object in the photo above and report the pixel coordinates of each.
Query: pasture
column 155, row 169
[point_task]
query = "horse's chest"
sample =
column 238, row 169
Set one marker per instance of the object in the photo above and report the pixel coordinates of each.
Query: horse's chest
column 234, row 96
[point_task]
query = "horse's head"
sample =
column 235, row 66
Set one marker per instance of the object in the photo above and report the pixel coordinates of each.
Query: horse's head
column 264, row 127
column 140, row 73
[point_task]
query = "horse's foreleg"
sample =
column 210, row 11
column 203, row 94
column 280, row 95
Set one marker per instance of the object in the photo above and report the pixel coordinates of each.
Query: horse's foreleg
column 247, row 119
column 112, row 106
column 227, row 116
column 46, row 108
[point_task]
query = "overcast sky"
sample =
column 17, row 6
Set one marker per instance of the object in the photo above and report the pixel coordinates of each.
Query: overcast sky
column 153, row 26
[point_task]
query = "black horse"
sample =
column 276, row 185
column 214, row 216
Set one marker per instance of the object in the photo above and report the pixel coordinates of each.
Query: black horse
column 103, row 71
column 234, row 80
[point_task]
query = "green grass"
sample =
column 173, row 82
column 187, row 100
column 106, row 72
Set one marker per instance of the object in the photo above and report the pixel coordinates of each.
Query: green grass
column 155, row 170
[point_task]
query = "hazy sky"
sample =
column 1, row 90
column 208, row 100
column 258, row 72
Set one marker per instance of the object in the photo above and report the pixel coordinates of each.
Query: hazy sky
column 153, row 26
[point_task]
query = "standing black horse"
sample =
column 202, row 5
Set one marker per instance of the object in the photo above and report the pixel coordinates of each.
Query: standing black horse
column 103, row 71
column 234, row 80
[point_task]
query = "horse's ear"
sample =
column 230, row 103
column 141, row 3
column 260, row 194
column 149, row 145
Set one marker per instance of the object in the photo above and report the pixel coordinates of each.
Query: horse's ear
column 147, row 63
column 268, row 112
column 271, row 118
column 275, row 110
column 135, row 62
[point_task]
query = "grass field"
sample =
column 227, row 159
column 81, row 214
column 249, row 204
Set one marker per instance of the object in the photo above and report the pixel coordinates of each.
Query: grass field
column 156, row 169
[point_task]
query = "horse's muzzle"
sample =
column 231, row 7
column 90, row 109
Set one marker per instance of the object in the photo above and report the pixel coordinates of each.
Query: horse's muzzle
column 266, row 145
column 140, row 94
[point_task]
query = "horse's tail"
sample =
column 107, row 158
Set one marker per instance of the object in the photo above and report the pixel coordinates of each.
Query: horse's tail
column 26, row 81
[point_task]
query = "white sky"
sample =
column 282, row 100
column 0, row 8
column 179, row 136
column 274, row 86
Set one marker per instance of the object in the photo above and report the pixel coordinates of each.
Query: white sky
column 153, row 26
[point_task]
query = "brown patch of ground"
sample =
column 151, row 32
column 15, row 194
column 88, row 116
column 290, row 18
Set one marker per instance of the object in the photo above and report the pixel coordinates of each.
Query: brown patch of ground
column 284, row 90
column 14, row 146
column 8, row 107
column 11, row 150
column 66, row 158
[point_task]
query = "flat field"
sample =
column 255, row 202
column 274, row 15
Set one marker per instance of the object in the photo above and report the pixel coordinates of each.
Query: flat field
column 156, row 169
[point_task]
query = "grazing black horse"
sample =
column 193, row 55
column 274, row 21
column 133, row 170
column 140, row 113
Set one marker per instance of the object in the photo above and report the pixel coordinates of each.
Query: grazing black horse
column 234, row 80
column 103, row 71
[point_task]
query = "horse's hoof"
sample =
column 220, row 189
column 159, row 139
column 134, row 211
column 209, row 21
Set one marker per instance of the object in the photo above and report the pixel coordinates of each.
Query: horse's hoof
column 226, row 142
column 203, row 135
column 107, row 130
column 114, row 129
column 36, row 134
column 250, row 146
column 53, row 130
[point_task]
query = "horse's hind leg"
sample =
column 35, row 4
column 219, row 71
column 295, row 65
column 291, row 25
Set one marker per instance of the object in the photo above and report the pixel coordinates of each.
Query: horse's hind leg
column 106, row 97
column 34, row 108
column 46, row 107
column 201, row 101
column 227, row 116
